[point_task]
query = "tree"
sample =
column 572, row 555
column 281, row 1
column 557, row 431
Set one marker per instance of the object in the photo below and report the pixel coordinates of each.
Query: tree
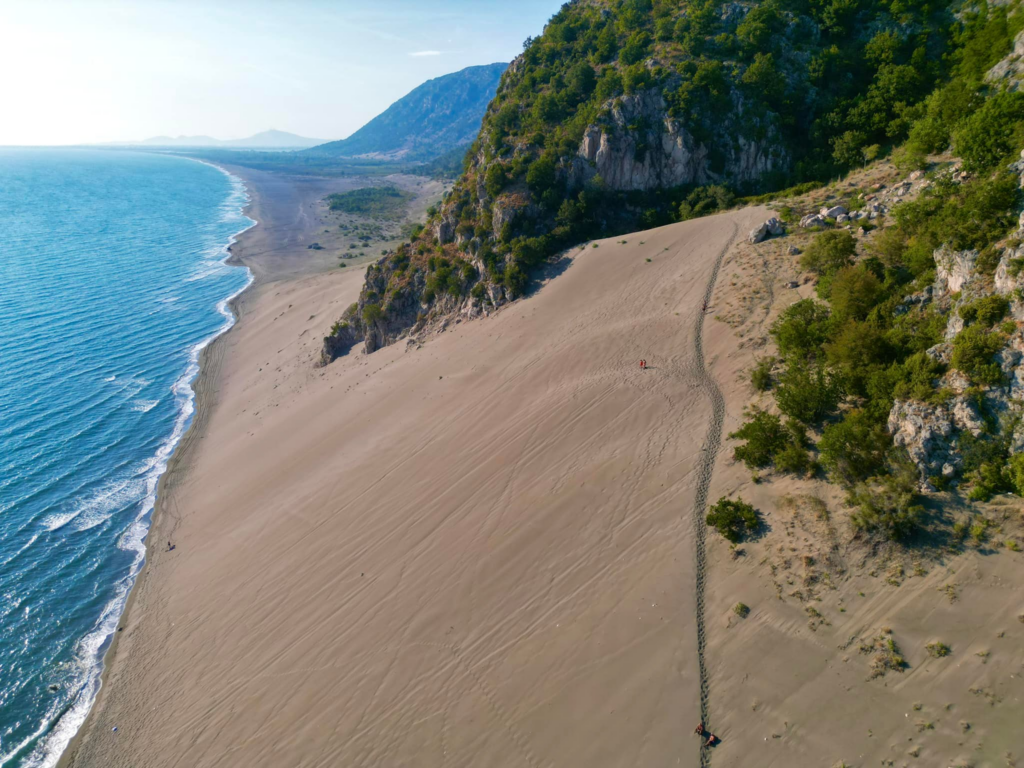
column 807, row 392
column 764, row 79
column 764, row 435
column 973, row 353
column 853, row 293
column 992, row 133
column 855, row 448
column 830, row 252
column 541, row 175
column 802, row 329
column 856, row 352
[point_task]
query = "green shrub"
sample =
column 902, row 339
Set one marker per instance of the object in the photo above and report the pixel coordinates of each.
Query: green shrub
column 761, row 377
column 916, row 377
column 829, row 252
column 888, row 504
column 1015, row 473
column 733, row 519
column 986, row 311
column 853, row 292
column 855, row 448
column 372, row 313
column 973, row 353
column 741, row 609
column 993, row 133
column 856, row 352
column 802, row 329
column 808, row 393
column 937, row 649
column 794, row 459
column 765, row 436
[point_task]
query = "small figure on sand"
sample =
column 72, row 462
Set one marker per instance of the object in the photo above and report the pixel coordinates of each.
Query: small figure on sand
column 700, row 730
column 643, row 365
column 170, row 547
column 704, row 308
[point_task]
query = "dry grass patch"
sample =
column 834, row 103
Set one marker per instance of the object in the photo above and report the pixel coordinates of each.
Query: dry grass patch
column 885, row 654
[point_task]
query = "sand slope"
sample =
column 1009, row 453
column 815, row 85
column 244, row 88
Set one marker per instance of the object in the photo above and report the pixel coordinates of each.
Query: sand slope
column 476, row 552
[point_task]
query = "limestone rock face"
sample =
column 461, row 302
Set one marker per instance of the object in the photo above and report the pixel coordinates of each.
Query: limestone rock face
column 1005, row 282
column 504, row 211
column 338, row 343
column 1010, row 70
column 444, row 229
column 638, row 146
column 954, row 268
column 926, row 432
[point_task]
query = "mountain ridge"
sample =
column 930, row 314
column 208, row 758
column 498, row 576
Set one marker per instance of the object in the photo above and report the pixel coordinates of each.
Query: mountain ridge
column 269, row 139
column 420, row 125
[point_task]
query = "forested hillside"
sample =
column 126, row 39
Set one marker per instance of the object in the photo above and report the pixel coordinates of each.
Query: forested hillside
column 626, row 114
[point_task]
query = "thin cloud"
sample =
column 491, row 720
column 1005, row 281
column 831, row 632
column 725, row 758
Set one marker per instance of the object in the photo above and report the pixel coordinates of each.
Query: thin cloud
column 426, row 53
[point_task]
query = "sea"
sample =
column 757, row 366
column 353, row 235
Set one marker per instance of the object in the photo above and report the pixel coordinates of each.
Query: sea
column 112, row 280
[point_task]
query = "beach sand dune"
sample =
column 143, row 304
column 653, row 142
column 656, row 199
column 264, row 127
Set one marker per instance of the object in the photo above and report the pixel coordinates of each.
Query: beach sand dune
column 478, row 551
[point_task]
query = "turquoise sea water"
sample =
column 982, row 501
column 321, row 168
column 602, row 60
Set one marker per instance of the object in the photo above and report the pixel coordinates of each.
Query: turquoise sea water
column 111, row 280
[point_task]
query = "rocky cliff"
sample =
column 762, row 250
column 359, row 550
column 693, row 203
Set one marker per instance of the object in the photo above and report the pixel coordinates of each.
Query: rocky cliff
column 933, row 432
column 629, row 115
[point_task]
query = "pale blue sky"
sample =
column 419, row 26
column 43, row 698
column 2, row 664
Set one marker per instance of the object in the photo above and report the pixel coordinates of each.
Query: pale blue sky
column 79, row 71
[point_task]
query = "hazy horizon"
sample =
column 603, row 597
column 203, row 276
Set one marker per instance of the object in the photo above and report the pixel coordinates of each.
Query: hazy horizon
column 116, row 71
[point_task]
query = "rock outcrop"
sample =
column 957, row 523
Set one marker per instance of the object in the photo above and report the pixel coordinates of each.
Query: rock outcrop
column 954, row 268
column 637, row 145
column 771, row 228
column 926, row 432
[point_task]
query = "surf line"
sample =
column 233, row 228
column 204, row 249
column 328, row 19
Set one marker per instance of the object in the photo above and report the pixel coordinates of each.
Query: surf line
column 709, row 452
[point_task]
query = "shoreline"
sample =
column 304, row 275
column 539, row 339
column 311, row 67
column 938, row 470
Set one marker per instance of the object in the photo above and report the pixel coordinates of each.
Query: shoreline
column 286, row 215
column 208, row 368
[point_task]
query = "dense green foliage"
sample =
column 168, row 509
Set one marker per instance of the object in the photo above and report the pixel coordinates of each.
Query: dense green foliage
column 826, row 83
column 769, row 442
column 845, row 362
column 733, row 519
column 371, row 201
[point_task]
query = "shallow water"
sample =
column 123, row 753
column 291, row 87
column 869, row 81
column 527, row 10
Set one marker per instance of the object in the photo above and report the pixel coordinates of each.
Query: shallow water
column 111, row 280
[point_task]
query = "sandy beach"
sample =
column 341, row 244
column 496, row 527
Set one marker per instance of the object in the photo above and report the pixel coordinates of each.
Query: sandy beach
column 479, row 548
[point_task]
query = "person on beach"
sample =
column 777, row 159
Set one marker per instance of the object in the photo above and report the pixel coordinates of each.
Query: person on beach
column 711, row 740
column 699, row 730
column 643, row 365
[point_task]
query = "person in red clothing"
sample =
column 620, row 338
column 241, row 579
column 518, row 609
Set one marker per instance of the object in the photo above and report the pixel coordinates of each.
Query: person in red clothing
column 643, row 365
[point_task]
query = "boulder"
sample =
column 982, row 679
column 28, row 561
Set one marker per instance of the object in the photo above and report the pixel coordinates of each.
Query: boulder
column 771, row 228
column 954, row 269
column 842, row 218
column 833, row 212
column 812, row 220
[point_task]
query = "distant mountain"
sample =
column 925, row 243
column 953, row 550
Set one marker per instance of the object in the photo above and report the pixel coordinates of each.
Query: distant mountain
column 266, row 140
column 435, row 118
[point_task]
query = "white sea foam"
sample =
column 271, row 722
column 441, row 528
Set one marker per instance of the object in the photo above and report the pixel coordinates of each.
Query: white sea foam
column 144, row 406
column 63, row 721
